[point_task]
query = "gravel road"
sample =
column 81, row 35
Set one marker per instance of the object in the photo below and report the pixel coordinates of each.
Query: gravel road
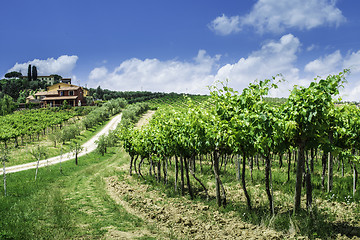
column 88, row 147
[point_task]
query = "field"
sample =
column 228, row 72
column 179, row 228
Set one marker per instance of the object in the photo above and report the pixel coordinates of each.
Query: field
column 99, row 199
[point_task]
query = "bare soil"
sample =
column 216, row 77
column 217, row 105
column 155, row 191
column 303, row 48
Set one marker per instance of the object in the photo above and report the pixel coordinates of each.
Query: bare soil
column 183, row 218
column 145, row 118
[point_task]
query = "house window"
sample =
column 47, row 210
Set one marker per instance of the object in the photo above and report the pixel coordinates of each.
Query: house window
column 61, row 93
column 71, row 93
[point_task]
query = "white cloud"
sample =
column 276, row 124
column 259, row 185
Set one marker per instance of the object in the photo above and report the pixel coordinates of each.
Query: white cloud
column 280, row 15
column 311, row 47
column 155, row 75
column 353, row 62
column 62, row 66
column 335, row 63
column 98, row 73
column 274, row 57
column 325, row 65
column 351, row 92
column 224, row 25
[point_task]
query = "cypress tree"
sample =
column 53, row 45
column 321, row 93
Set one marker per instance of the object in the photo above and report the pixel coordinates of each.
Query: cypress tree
column 34, row 73
column 29, row 72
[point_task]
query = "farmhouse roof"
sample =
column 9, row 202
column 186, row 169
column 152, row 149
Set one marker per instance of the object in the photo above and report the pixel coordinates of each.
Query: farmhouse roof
column 68, row 88
column 61, row 98
column 46, row 93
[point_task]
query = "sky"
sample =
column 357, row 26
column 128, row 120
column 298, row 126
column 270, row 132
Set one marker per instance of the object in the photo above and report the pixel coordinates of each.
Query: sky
column 183, row 46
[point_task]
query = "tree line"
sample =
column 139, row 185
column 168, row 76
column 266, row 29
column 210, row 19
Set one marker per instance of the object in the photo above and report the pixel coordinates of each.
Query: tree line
column 130, row 96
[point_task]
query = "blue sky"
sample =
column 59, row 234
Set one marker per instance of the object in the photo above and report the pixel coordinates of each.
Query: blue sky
column 183, row 46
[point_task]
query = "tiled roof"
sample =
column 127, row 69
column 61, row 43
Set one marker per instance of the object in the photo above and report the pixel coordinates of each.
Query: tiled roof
column 61, row 98
column 68, row 88
column 46, row 93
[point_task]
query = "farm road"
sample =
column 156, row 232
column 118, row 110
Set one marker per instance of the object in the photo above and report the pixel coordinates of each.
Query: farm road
column 88, row 147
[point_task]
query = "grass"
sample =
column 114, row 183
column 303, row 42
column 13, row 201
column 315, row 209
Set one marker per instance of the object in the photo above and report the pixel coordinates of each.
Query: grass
column 63, row 206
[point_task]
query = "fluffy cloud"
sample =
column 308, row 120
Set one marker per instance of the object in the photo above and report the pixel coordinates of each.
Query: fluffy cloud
column 335, row 63
column 279, row 15
column 274, row 57
column 325, row 65
column 62, row 66
column 156, row 75
column 224, row 25
column 353, row 62
column 311, row 47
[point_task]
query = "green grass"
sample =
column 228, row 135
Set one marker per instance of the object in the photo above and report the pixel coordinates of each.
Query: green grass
column 71, row 204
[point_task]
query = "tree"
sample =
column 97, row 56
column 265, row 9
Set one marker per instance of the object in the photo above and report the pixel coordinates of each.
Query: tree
column 99, row 92
column 56, row 77
column 89, row 100
column 7, row 105
column 34, row 73
column 102, row 144
column 29, row 72
column 106, row 97
column 37, row 153
column 76, row 148
column 13, row 75
column 22, row 96
column 55, row 137
column 65, row 105
column 4, row 157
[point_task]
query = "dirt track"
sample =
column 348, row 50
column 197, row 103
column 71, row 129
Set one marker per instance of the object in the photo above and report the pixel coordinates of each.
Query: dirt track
column 183, row 218
column 88, row 147
column 145, row 119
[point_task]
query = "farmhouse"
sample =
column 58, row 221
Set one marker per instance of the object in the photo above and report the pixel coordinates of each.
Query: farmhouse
column 48, row 79
column 58, row 93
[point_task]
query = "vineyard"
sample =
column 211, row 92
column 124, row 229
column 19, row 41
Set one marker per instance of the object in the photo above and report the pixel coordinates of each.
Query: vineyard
column 225, row 166
column 54, row 130
column 28, row 123
column 175, row 101
column 302, row 154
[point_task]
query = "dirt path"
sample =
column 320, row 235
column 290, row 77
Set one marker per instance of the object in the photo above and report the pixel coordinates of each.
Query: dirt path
column 145, row 118
column 88, row 147
column 87, row 190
